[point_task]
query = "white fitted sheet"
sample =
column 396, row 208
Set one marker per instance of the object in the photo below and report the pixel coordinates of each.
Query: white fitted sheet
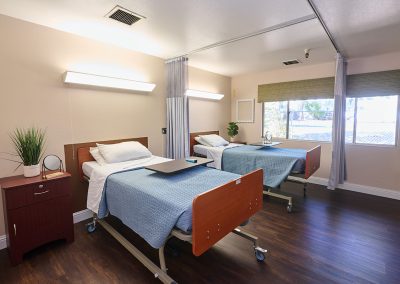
column 203, row 150
column 89, row 167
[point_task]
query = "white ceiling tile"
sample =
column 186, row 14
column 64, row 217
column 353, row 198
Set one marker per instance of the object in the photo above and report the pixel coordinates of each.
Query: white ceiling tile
column 175, row 27
column 362, row 27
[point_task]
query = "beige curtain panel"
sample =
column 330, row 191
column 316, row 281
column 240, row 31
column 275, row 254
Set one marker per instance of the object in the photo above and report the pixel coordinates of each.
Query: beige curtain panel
column 321, row 88
column 386, row 83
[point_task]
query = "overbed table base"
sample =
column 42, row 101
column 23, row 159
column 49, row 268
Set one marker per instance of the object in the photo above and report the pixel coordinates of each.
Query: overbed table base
column 160, row 272
column 294, row 179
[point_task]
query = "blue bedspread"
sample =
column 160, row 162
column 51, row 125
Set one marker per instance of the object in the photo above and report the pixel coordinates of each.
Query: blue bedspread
column 152, row 203
column 277, row 163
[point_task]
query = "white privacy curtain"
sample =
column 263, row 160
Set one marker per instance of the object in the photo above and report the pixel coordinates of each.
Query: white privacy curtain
column 177, row 109
column 338, row 166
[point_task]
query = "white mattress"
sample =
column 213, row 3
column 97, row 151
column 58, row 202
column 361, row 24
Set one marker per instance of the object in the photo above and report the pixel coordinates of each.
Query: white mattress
column 88, row 167
column 201, row 149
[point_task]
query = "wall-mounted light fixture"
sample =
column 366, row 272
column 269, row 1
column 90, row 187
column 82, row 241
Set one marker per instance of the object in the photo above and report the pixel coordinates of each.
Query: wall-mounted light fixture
column 204, row 95
column 71, row 77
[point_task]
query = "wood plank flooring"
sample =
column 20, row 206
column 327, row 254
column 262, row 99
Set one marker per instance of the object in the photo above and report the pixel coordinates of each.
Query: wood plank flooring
column 332, row 237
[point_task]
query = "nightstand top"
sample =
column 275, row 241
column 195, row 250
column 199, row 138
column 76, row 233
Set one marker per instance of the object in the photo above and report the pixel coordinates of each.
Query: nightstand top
column 20, row 180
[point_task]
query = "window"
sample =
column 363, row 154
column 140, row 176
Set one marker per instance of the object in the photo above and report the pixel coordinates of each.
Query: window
column 374, row 120
column 369, row 120
column 275, row 118
column 311, row 120
column 308, row 119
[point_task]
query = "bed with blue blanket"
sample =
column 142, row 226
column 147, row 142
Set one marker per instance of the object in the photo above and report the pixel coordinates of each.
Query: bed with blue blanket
column 200, row 205
column 152, row 204
column 279, row 164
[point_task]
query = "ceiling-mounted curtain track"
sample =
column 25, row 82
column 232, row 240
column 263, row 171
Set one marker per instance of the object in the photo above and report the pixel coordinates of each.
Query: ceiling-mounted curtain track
column 328, row 33
column 253, row 34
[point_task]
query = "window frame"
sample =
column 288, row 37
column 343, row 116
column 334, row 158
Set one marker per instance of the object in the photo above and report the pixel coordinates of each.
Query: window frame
column 397, row 128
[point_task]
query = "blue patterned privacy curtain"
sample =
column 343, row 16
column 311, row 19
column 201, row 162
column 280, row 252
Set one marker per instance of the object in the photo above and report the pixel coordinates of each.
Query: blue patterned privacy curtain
column 338, row 165
column 177, row 109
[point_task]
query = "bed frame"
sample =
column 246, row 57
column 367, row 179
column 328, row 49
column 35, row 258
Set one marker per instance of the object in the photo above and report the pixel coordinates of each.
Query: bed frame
column 215, row 214
column 313, row 158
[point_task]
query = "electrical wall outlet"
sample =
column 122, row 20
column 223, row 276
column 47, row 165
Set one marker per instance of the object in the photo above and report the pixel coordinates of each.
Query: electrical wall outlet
column 164, row 130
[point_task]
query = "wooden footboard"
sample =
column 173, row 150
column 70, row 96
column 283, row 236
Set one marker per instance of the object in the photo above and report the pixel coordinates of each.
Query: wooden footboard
column 219, row 211
column 313, row 158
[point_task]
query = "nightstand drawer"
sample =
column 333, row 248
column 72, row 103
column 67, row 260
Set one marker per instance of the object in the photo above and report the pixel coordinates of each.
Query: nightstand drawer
column 17, row 197
column 47, row 190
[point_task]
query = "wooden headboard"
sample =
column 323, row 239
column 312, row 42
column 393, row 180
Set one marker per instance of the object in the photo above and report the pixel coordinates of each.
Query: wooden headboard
column 75, row 156
column 195, row 134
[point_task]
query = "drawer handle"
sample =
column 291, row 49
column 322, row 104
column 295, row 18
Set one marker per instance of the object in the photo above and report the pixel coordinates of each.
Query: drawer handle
column 41, row 185
column 15, row 230
column 43, row 192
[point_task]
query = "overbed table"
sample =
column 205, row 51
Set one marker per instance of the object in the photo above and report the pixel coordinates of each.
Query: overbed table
column 178, row 165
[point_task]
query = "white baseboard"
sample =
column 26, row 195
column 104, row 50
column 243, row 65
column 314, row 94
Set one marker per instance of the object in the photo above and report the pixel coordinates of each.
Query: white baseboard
column 377, row 191
column 82, row 215
column 3, row 242
column 77, row 216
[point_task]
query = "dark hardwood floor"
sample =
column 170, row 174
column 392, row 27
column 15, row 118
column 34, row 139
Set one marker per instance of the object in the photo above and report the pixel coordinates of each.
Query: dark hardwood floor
column 331, row 237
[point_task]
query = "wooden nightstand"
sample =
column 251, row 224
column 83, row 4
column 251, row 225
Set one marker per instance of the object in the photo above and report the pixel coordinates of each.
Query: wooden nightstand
column 36, row 211
column 240, row 142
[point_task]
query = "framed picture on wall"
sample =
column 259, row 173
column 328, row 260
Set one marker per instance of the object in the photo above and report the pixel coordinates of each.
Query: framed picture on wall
column 245, row 111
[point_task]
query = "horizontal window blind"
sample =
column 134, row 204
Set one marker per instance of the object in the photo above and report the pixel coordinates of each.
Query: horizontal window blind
column 385, row 83
column 321, row 88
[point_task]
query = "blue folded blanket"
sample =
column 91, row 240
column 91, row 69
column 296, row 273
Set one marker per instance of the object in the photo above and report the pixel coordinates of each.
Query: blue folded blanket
column 277, row 163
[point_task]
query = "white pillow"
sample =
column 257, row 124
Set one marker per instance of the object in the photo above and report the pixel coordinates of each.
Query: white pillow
column 201, row 141
column 214, row 140
column 125, row 151
column 94, row 151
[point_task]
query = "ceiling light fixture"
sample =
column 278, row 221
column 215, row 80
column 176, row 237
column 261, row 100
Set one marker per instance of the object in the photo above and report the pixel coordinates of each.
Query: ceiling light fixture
column 71, row 77
column 204, row 95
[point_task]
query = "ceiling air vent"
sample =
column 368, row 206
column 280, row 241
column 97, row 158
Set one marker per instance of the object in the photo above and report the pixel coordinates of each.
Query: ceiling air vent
column 291, row 62
column 124, row 15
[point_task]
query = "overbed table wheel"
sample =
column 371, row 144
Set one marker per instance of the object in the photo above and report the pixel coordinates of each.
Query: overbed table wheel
column 91, row 227
column 260, row 255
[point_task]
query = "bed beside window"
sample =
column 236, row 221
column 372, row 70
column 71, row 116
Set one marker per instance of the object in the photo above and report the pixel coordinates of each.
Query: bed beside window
column 279, row 164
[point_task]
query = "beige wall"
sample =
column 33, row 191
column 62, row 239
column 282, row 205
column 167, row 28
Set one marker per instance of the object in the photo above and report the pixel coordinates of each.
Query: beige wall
column 209, row 114
column 367, row 165
column 32, row 61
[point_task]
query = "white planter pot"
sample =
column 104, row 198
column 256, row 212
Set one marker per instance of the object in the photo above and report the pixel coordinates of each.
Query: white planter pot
column 31, row 171
column 232, row 139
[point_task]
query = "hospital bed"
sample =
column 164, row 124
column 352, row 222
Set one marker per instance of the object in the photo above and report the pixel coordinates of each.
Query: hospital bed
column 306, row 164
column 215, row 212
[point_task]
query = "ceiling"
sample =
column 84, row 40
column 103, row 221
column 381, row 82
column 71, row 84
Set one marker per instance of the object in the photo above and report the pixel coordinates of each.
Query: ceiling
column 176, row 27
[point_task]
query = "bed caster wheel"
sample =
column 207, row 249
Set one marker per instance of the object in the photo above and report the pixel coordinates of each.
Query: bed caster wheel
column 260, row 256
column 90, row 227
column 289, row 208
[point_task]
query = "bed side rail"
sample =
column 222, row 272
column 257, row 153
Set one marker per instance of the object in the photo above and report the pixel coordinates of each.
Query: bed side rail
column 219, row 211
column 313, row 159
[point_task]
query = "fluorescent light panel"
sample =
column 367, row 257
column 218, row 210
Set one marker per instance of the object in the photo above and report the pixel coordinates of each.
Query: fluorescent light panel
column 204, row 95
column 107, row 82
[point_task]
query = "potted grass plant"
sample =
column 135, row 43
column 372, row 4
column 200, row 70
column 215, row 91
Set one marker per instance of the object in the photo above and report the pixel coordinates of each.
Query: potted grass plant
column 233, row 130
column 29, row 144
